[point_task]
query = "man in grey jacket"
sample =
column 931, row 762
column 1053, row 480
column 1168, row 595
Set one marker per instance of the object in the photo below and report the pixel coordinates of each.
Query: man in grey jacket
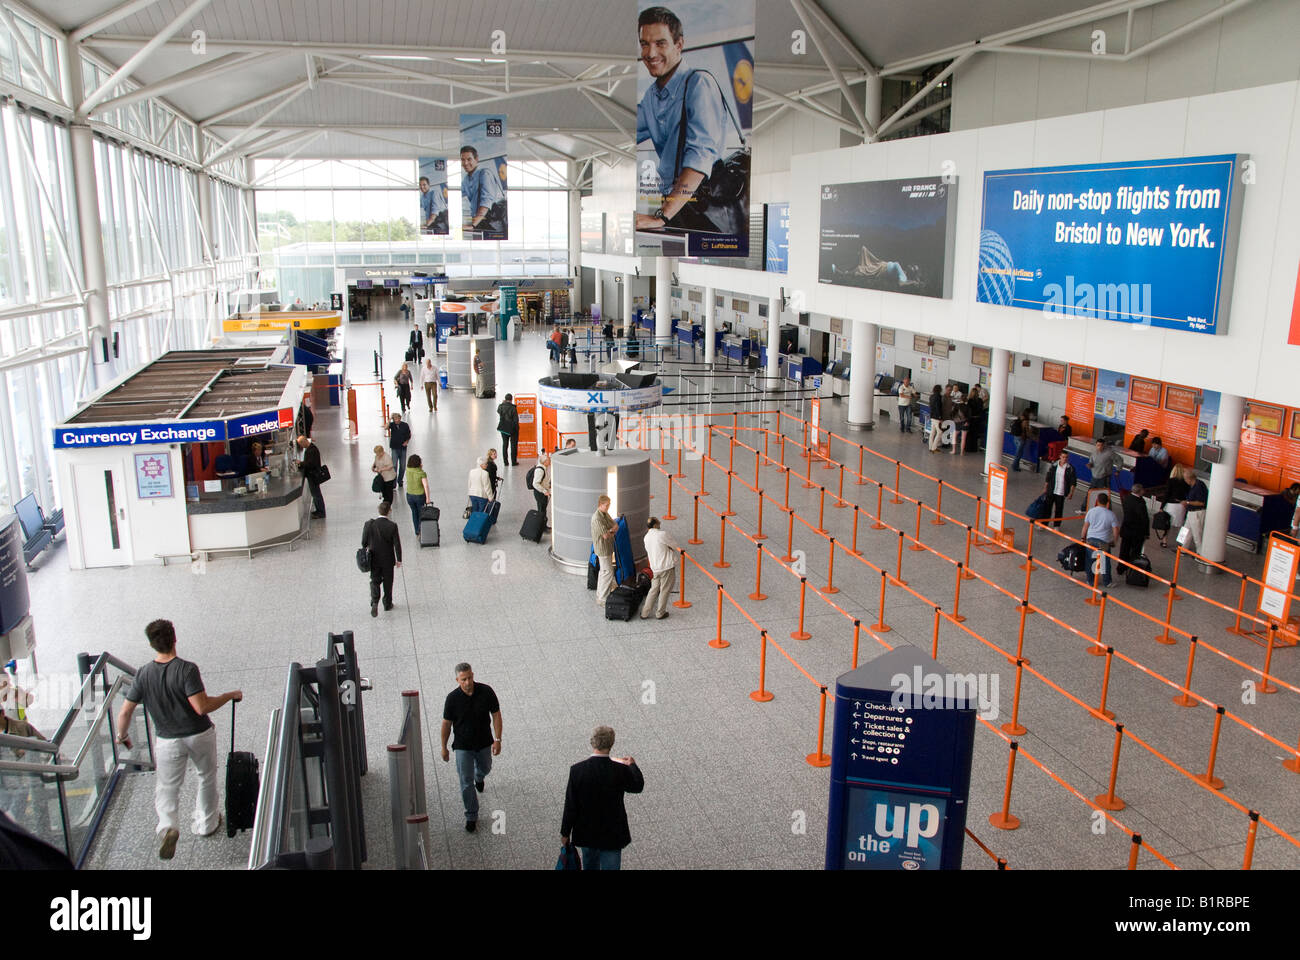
column 1103, row 463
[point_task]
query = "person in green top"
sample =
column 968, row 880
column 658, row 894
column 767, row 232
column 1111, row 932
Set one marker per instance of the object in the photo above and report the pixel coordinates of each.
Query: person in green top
column 417, row 490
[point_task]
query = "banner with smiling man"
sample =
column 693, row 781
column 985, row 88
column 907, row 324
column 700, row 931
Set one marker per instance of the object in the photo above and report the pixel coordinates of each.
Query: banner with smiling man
column 483, row 176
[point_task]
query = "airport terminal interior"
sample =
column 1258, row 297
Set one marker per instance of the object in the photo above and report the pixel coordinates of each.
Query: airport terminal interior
column 942, row 276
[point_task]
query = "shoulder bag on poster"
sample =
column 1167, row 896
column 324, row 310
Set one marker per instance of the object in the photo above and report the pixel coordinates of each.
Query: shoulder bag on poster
column 727, row 184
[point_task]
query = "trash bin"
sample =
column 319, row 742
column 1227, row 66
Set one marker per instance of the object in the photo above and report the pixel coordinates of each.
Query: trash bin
column 442, row 378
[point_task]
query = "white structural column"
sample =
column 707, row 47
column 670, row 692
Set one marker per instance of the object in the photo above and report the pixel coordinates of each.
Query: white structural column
column 773, row 341
column 94, row 271
column 997, row 411
column 575, row 235
column 664, row 267
column 862, row 376
column 1223, row 477
column 628, row 320
column 213, row 330
column 250, row 205
column 710, row 323
column 871, row 88
column 598, row 295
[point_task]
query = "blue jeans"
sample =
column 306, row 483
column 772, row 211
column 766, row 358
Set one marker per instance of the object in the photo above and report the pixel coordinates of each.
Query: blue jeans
column 416, row 503
column 399, row 461
column 904, row 419
column 1105, row 573
column 593, row 859
column 1020, row 449
column 466, row 762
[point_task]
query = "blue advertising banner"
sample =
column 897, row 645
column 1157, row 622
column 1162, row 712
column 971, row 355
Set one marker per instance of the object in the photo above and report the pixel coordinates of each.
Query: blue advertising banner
column 1111, row 399
column 483, row 177
column 1150, row 242
column 433, row 196
column 15, row 601
column 137, row 434
column 777, row 239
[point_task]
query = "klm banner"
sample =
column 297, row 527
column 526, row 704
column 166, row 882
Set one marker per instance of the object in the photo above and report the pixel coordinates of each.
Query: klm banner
column 1150, row 242
column 483, row 177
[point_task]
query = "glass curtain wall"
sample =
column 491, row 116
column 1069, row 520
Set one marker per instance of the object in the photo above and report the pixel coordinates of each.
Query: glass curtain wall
column 318, row 215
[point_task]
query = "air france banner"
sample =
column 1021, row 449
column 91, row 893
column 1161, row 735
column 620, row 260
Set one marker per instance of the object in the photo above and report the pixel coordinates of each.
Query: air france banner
column 137, row 434
column 1150, row 242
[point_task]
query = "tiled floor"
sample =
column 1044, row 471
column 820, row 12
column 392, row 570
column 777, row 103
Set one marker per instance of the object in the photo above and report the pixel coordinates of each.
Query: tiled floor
column 726, row 780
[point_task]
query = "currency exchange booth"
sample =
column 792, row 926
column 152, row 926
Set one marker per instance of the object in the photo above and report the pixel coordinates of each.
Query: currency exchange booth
column 190, row 455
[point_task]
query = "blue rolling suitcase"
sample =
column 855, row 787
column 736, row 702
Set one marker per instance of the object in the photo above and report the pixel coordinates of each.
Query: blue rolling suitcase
column 480, row 523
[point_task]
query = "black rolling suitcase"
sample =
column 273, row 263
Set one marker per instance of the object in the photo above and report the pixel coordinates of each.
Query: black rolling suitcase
column 1073, row 558
column 622, row 603
column 593, row 571
column 242, row 785
column 534, row 526
column 430, row 533
column 1138, row 577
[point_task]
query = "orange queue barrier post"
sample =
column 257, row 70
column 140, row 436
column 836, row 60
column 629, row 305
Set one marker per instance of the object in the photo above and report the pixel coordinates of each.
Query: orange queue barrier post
column 670, row 515
column 717, row 642
column 934, row 646
column 857, row 635
column 938, row 520
column 916, row 538
column 1164, row 637
column 956, row 595
column 1208, row 778
column 880, row 626
column 1015, row 728
column 679, row 475
column 1251, row 829
column 861, row 481
column 821, row 758
column 758, row 462
column 801, row 633
column 709, row 452
column 695, row 540
column 681, row 603
column 789, row 542
column 762, row 694
column 1029, row 554
column 758, row 593
column 880, row 496
column 830, row 577
column 821, row 513
column 1265, row 686
column 854, row 549
column 840, row 502
column 1105, row 686
column 663, row 451
column 1241, row 605
column 1187, row 700
column 722, row 563
column 899, row 575
column 760, row 535
column 898, row 475
column 1095, row 648
column 1004, row 819
column 701, row 492
column 1108, row 800
column 1094, row 598
column 731, row 454
column 965, row 564
column 1135, row 847
column 1020, row 641
column 729, row 512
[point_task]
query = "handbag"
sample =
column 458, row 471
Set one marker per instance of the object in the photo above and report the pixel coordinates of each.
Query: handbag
column 377, row 484
column 323, row 474
column 363, row 559
column 727, row 184
column 569, row 858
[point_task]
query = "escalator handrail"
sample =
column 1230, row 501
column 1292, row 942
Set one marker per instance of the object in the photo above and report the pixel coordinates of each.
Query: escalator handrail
column 263, row 799
column 65, row 771
column 104, row 659
column 280, row 779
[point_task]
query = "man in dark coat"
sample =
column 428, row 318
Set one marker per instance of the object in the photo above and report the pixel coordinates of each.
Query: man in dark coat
column 594, row 815
column 1135, row 528
column 310, row 468
column 381, row 538
column 508, row 427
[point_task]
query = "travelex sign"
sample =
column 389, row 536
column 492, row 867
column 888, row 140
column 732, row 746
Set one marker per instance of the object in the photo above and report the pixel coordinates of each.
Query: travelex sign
column 1150, row 242
column 185, row 431
column 587, row 400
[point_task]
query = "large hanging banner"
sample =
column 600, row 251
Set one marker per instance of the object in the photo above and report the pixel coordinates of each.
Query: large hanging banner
column 695, row 99
column 433, row 196
column 483, row 180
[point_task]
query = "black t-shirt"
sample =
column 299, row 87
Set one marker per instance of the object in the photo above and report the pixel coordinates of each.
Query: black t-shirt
column 1200, row 493
column 471, row 717
column 165, row 689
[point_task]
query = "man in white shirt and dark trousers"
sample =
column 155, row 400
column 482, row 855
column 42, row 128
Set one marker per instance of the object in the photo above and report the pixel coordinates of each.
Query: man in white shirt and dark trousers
column 1099, row 526
column 661, row 553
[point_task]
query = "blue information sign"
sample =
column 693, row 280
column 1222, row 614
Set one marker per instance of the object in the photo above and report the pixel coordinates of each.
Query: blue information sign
column 777, row 258
column 1150, row 242
column 900, row 765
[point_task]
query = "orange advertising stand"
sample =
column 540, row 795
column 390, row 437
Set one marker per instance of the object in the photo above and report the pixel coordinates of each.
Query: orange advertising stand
column 526, row 405
column 1274, row 604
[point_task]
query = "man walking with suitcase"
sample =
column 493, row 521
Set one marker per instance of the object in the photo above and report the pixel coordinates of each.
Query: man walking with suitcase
column 172, row 692
column 381, row 537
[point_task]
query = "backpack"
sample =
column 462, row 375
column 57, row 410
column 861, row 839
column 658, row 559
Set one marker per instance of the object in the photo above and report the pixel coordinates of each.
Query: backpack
column 528, row 477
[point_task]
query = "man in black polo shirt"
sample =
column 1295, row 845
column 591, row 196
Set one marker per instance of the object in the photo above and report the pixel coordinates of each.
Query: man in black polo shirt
column 473, row 712
column 172, row 691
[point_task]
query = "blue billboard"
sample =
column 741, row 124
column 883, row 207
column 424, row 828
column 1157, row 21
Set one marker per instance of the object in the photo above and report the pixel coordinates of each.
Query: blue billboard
column 777, row 239
column 1150, row 242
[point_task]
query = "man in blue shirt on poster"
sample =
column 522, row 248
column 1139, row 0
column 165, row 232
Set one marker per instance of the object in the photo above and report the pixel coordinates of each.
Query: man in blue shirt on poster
column 659, row 119
column 433, row 208
column 484, row 197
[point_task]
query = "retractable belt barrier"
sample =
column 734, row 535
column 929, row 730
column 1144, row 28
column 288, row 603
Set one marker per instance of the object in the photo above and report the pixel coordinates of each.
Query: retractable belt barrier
column 1107, row 803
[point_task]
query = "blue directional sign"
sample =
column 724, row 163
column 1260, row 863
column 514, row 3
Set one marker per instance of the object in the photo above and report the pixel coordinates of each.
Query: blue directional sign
column 900, row 766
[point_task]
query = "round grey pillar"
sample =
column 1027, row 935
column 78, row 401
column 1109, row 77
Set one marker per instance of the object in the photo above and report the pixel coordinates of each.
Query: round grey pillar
column 578, row 479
